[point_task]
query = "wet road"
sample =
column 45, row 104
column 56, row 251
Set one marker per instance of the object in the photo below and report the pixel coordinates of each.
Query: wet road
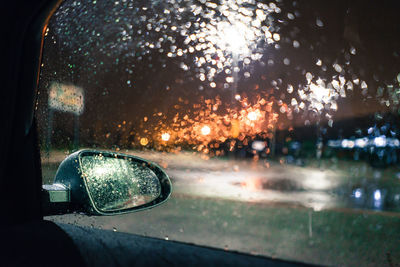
column 318, row 185
column 265, row 208
column 330, row 185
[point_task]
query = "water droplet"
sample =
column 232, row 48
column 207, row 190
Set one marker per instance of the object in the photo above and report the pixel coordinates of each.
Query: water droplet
column 290, row 88
column 337, row 67
column 286, row 61
column 309, row 76
column 364, row 85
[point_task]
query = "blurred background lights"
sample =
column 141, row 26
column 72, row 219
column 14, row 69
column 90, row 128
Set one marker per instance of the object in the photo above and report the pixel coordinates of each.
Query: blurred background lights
column 205, row 130
column 361, row 142
column 380, row 141
column 377, row 195
column 258, row 145
column 358, row 193
column 144, row 141
column 252, row 116
column 370, row 130
column 320, row 93
column 347, row 143
column 165, row 136
column 232, row 37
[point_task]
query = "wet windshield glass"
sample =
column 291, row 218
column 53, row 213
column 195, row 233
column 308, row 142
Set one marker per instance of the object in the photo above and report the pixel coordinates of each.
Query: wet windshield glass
column 278, row 122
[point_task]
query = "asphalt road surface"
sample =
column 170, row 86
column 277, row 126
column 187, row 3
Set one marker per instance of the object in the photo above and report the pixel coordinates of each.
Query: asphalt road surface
column 310, row 214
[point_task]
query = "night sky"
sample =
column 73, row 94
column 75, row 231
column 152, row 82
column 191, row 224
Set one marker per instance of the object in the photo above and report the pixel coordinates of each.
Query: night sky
column 144, row 64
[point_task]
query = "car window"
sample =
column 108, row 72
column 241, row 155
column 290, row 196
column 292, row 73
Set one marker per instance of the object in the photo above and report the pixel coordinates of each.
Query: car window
column 277, row 121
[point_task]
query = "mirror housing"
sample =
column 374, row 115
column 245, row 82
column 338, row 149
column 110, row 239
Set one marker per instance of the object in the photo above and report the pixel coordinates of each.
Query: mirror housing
column 105, row 183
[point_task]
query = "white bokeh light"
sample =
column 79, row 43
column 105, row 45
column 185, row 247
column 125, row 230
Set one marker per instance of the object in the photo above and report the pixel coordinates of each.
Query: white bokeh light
column 234, row 38
column 205, row 130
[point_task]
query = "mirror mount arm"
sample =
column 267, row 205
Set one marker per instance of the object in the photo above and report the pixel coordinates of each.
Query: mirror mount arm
column 56, row 199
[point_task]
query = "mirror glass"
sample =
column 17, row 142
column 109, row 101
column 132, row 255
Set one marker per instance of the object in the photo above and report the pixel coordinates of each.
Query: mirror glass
column 116, row 184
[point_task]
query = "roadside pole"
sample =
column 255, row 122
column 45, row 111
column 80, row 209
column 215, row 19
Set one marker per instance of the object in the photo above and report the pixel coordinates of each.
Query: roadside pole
column 65, row 98
column 49, row 131
column 76, row 132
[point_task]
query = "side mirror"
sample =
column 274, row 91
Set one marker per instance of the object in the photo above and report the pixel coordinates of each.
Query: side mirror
column 105, row 183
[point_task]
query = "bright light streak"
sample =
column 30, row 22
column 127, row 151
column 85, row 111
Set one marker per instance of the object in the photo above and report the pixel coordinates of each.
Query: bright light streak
column 361, row 142
column 347, row 143
column 165, row 137
column 351, row 144
column 205, row 130
column 252, row 184
column 317, row 180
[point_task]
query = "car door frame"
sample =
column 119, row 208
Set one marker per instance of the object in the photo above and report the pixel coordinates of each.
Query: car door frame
column 24, row 26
